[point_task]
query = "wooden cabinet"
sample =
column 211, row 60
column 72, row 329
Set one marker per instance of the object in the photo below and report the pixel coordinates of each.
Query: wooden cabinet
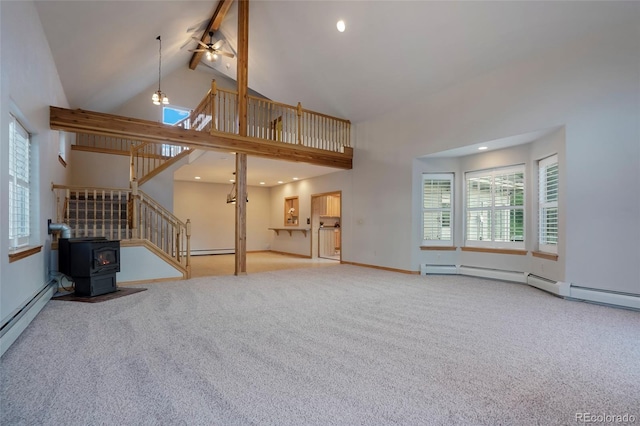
column 330, row 206
column 291, row 211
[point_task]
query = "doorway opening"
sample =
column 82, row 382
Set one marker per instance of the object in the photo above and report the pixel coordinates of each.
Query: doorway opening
column 326, row 226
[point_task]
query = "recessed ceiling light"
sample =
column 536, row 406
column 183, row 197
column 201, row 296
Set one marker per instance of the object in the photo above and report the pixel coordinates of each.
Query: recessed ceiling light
column 197, row 178
column 261, row 183
column 280, row 181
column 341, row 26
column 295, row 178
column 482, row 148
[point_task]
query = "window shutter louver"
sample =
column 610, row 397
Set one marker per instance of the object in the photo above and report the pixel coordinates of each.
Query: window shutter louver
column 495, row 207
column 437, row 196
column 548, row 204
column 19, row 193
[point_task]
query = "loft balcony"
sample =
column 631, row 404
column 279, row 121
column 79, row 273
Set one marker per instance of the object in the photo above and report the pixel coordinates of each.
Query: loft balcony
column 274, row 130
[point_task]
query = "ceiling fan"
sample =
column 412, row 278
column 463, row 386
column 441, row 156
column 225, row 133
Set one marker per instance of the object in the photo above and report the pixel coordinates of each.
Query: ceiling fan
column 212, row 49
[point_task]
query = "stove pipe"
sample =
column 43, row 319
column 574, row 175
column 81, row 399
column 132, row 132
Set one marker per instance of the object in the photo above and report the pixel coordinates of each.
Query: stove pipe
column 63, row 228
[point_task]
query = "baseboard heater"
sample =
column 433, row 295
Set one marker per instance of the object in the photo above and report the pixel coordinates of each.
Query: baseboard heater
column 22, row 317
column 426, row 269
column 205, row 252
column 496, row 274
column 558, row 288
column 605, row 297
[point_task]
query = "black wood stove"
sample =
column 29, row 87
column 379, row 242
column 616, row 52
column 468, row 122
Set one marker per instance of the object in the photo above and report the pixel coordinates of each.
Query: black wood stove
column 91, row 262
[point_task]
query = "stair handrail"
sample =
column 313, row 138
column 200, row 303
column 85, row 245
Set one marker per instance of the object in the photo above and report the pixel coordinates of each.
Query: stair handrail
column 144, row 165
column 166, row 232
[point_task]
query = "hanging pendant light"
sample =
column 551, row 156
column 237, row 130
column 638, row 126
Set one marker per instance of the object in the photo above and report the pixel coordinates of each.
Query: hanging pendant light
column 232, row 196
column 159, row 98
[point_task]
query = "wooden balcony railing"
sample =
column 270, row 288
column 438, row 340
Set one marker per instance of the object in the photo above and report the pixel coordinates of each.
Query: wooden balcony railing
column 106, row 144
column 266, row 119
column 148, row 159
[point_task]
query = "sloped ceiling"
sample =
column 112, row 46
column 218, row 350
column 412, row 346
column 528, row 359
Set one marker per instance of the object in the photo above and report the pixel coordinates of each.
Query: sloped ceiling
column 393, row 53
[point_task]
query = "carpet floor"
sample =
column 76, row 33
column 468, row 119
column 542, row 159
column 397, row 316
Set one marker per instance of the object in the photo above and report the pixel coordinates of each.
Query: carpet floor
column 337, row 345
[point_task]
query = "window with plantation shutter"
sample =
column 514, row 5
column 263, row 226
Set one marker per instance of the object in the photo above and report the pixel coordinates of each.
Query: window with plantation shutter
column 437, row 209
column 548, row 204
column 495, row 208
column 19, row 191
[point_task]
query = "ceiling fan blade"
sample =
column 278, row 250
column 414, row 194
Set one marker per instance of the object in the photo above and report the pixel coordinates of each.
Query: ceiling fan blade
column 200, row 42
column 197, row 50
column 218, row 44
column 227, row 54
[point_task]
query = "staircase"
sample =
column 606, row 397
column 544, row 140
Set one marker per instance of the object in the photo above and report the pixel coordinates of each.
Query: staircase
column 149, row 159
column 128, row 215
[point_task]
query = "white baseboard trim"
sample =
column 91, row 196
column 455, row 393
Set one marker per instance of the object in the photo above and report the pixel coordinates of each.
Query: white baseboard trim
column 16, row 325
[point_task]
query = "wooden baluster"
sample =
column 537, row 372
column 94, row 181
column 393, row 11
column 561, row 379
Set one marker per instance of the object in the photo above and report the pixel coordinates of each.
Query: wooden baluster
column 132, row 173
column 299, row 116
column 95, row 213
column 103, row 233
column 214, row 91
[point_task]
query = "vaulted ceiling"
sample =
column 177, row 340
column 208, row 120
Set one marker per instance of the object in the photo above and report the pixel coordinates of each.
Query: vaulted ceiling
column 392, row 52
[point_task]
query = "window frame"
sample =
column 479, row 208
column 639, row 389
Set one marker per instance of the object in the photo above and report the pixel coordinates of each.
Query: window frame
column 19, row 239
column 493, row 208
column 544, row 204
column 450, row 177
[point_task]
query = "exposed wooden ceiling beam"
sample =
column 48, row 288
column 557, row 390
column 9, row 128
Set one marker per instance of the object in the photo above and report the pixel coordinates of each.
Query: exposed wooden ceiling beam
column 214, row 25
column 98, row 123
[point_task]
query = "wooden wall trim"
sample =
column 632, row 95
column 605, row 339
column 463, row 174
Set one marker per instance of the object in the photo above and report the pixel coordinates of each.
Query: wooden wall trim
column 439, row 248
column 100, row 150
column 543, row 255
column 495, row 250
column 21, row 253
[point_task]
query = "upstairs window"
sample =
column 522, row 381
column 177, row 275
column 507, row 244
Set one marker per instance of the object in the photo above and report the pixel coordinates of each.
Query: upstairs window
column 437, row 209
column 495, row 208
column 548, row 204
column 19, row 184
column 173, row 115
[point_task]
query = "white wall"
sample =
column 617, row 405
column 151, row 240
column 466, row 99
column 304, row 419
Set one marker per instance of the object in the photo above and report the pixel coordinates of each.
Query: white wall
column 30, row 82
column 297, row 243
column 154, row 267
column 184, row 88
column 213, row 220
column 98, row 169
column 590, row 87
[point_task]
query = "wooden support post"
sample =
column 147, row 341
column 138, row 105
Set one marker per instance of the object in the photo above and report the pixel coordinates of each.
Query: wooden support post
column 241, row 214
column 241, row 159
column 188, row 226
